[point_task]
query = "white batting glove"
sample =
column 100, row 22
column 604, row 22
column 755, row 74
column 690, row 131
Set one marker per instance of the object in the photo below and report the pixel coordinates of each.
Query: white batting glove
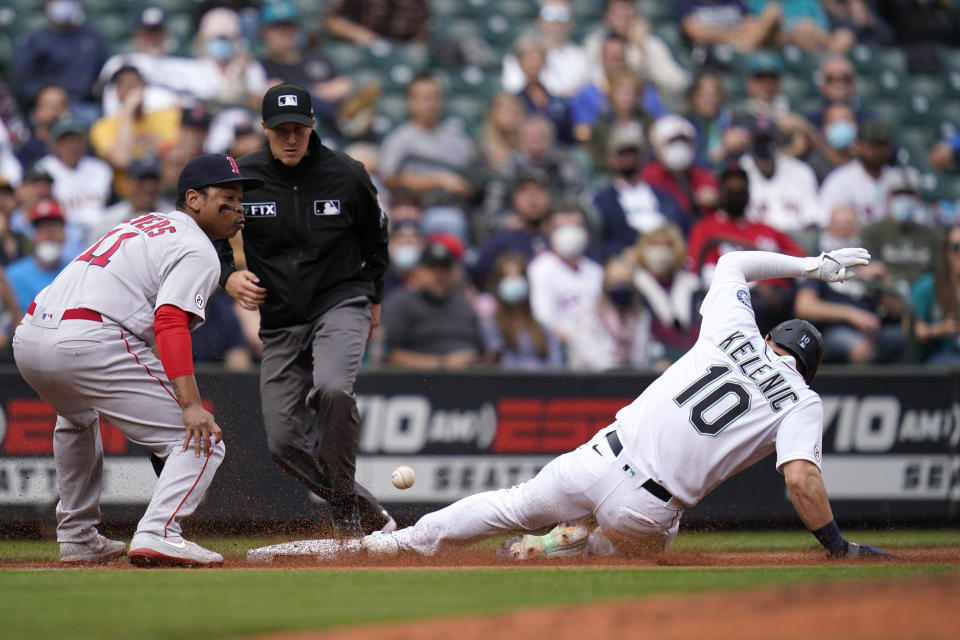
column 832, row 267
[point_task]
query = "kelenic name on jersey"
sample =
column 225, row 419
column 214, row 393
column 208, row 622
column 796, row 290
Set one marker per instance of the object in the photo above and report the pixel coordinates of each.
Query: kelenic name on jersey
column 774, row 387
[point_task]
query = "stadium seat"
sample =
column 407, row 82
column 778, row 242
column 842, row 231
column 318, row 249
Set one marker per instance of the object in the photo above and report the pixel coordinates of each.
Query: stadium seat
column 951, row 83
column 393, row 106
column 887, row 110
column 889, row 84
column 915, row 141
column 345, row 55
column 928, row 85
column 919, row 109
column 950, row 113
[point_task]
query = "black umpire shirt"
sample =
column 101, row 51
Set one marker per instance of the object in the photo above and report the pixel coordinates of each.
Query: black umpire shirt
column 315, row 234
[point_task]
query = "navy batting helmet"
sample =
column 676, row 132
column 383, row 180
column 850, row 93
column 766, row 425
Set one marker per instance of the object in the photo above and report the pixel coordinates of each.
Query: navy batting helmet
column 802, row 340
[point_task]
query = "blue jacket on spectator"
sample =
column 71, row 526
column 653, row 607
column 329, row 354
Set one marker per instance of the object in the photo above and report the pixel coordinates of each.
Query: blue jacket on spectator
column 70, row 59
column 616, row 233
column 519, row 240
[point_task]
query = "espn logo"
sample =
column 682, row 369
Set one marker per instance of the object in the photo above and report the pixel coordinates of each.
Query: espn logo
column 260, row 209
column 287, row 100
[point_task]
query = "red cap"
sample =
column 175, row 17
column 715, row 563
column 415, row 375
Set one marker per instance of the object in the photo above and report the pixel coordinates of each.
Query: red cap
column 451, row 242
column 46, row 209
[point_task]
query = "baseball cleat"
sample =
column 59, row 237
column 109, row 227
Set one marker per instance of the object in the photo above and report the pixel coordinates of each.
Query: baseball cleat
column 97, row 551
column 380, row 545
column 151, row 550
column 565, row 539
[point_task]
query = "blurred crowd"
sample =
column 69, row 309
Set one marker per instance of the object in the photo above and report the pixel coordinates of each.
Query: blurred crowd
column 561, row 176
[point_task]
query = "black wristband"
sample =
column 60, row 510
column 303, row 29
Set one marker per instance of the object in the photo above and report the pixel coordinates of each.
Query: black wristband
column 831, row 539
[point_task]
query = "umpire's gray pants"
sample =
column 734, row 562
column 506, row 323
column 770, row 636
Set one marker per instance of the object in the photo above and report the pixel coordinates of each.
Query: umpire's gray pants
column 309, row 409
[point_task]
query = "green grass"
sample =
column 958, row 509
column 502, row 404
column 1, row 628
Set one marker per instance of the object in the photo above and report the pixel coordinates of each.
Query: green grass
column 220, row 604
column 80, row 604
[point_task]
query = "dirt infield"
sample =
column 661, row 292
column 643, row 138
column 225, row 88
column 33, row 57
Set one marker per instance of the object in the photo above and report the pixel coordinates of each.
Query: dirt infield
column 472, row 559
column 915, row 608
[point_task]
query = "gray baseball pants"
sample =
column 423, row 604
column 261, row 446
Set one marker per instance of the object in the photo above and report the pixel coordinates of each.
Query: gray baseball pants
column 86, row 369
column 309, row 408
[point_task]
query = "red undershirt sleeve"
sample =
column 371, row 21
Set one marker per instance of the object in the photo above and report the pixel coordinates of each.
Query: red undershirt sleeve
column 171, row 327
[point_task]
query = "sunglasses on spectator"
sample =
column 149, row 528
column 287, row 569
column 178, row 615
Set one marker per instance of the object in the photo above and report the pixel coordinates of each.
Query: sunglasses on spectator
column 555, row 14
column 841, row 77
column 955, row 247
column 766, row 75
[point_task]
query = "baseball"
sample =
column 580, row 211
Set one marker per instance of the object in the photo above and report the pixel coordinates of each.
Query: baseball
column 403, row 477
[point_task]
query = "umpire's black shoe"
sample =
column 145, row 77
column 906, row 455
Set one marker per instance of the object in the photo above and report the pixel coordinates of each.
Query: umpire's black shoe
column 345, row 514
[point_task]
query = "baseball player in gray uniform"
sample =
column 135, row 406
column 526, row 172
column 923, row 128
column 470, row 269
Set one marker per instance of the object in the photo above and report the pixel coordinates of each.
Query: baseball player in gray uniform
column 735, row 397
column 86, row 347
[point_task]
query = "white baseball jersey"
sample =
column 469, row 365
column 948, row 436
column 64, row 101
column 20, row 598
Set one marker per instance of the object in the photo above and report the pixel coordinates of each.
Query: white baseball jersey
column 561, row 294
column 727, row 403
column 82, row 191
column 146, row 262
column 787, row 200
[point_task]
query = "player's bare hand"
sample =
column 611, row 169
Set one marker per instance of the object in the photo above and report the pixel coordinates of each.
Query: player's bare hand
column 242, row 286
column 834, row 266
column 201, row 428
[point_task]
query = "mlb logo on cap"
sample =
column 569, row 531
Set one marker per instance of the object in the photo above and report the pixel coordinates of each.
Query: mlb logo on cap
column 287, row 103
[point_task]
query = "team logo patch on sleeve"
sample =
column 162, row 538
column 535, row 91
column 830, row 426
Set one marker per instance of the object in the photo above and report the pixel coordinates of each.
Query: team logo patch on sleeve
column 326, row 207
column 199, row 300
column 260, row 209
column 744, row 296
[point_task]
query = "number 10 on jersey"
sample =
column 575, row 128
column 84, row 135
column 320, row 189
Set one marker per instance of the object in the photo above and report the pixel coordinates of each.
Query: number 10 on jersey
column 715, row 396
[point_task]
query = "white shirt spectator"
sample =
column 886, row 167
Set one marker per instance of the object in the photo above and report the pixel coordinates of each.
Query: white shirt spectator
column 82, row 191
column 561, row 293
column 641, row 207
column 850, row 184
column 787, row 200
column 565, row 72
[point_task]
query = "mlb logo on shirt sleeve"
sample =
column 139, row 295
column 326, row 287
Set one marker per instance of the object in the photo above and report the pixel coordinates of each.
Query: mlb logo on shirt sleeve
column 326, row 207
column 287, row 100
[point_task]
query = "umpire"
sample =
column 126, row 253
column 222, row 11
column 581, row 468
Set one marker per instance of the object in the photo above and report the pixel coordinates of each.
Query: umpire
column 315, row 241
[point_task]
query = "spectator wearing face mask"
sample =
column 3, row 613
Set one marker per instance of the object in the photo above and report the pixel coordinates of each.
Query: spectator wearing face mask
column 832, row 145
column 226, row 72
column 670, row 293
column 613, row 332
column 783, row 190
column 406, row 245
column 30, row 274
column 858, row 182
column 902, row 242
column 628, row 206
column 65, row 53
column 511, row 335
column 729, row 230
column 859, row 322
column 672, row 170
column 563, row 280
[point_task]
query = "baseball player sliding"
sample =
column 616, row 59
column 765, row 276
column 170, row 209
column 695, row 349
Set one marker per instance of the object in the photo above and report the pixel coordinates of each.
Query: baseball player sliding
column 85, row 346
column 732, row 399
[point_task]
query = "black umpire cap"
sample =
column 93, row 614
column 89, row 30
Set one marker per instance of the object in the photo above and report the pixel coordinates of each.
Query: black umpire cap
column 286, row 103
column 212, row 168
column 803, row 341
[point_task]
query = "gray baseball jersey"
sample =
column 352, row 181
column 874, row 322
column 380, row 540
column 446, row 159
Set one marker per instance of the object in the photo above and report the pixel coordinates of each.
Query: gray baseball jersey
column 85, row 347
